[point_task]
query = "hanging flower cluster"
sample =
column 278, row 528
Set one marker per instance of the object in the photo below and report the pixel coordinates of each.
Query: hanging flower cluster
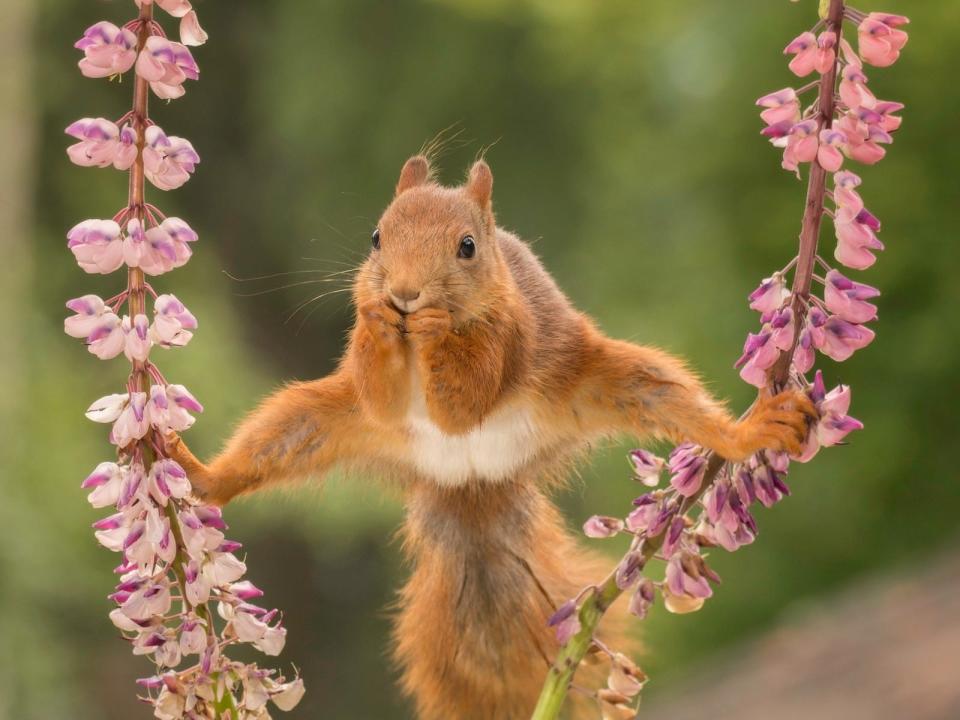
column 176, row 563
column 708, row 503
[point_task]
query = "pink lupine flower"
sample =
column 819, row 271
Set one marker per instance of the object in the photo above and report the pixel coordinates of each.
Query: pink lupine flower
column 651, row 516
column 812, row 53
column 844, row 191
column 848, row 299
column 108, row 408
column 133, row 422
column 834, row 423
column 802, row 145
column 646, row 467
column 642, row 599
column 856, row 239
column 686, row 585
column 782, row 106
column 601, row 526
column 89, row 311
column 107, row 339
column 148, row 601
column 166, row 65
column 102, row 143
column 193, row 636
column 880, row 42
column 630, row 569
column 170, row 408
column 780, row 324
column 198, row 585
column 770, row 295
column 728, row 523
column 97, row 245
column 167, row 479
column 767, row 483
column 888, row 122
column 108, row 50
column 863, row 140
column 159, row 249
column 136, row 339
column 106, row 480
column 854, row 92
column 190, row 31
column 172, row 323
column 828, row 154
column 811, row 337
column 687, row 467
column 566, row 620
column 842, row 338
column 759, row 355
column 168, row 161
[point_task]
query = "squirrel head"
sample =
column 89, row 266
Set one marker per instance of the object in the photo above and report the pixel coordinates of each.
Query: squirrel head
column 436, row 246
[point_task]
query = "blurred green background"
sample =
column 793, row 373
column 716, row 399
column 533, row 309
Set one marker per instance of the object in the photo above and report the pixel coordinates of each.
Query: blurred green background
column 625, row 146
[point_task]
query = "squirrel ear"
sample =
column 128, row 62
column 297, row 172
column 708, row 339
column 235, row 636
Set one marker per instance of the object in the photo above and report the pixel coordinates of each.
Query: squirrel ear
column 416, row 171
column 480, row 184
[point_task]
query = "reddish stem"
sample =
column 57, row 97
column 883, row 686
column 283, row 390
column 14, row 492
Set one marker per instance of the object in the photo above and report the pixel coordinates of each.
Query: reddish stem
column 813, row 209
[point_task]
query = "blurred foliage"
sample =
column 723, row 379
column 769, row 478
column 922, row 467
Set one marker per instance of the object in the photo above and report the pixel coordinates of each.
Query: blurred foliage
column 625, row 146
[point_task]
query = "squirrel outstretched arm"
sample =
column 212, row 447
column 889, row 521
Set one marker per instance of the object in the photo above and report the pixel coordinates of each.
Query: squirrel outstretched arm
column 300, row 430
column 471, row 380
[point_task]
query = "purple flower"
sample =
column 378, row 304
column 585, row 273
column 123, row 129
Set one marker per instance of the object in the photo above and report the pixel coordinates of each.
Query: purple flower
column 771, row 294
column 601, row 526
column 629, row 569
column 834, row 423
column 847, row 299
column 166, row 65
column 841, row 338
column 642, row 598
column 102, row 144
column 646, row 467
column 566, row 620
column 172, row 323
column 686, row 585
column 97, row 245
column 168, row 161
column 687, row 467
column 759, row 355
column 108, row 50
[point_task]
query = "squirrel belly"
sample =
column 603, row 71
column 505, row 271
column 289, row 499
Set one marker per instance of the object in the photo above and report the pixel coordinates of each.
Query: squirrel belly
column 491, row 563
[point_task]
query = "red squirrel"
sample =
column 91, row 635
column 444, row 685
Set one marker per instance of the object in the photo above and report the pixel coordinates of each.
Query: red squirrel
column 471, row 381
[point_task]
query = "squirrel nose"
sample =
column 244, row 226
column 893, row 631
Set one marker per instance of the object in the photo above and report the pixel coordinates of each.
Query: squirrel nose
column 404, row 294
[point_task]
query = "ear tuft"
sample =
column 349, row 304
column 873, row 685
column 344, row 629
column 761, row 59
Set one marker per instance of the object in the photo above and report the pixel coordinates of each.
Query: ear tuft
column 480, row 184
column 416, row 171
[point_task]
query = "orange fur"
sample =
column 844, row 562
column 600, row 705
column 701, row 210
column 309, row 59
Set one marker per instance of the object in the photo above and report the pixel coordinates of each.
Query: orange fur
column 473, row 382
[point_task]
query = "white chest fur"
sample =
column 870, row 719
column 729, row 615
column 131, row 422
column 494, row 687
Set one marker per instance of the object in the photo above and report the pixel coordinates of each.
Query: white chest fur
column 500, row 445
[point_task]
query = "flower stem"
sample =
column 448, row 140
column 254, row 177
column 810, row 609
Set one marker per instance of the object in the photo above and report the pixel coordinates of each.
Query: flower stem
column 813, row 208
column 136, row 284
column 561, row 673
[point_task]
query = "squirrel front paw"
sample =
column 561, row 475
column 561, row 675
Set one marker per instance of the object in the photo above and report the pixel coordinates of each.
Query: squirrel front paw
column 382, row 321
column 779, row 422
column 428, row 323
column 201, row 485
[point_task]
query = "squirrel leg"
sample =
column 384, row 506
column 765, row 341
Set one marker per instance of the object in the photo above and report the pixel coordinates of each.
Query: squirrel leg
column 642, row 390
column 303, row 429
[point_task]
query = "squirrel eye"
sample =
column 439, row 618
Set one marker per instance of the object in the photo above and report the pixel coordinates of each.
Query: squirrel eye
column 375, row 239
column 468, row 248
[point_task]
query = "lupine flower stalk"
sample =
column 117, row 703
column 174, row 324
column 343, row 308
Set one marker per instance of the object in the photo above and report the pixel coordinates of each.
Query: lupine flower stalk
column 707, row 502
column 176, row 564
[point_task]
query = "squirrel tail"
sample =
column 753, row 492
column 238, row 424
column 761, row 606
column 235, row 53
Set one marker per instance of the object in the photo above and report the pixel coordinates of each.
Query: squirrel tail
column 490, row 565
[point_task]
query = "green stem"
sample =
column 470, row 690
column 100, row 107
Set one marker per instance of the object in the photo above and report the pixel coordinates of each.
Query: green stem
column 561, row 674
